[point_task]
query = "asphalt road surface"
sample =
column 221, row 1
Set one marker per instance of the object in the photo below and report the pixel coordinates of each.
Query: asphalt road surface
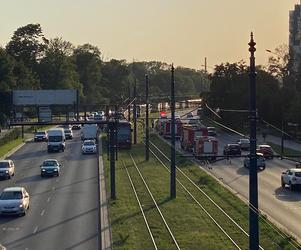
column 280, row 204
column 63, row 210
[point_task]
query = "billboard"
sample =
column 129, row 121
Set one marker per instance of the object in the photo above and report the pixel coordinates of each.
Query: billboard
column 44, row 97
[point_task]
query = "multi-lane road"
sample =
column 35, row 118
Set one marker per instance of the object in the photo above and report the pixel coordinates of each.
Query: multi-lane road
column 63, row 210
column 282, row 205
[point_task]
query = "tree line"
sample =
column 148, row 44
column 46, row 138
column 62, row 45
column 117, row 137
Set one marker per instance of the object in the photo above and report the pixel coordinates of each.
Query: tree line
column 30, row 60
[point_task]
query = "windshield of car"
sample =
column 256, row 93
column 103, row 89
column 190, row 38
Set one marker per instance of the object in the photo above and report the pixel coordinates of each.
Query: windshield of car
column 49, row 163
column 40, row 133
column 298, row 174
column 3, row 164
column 244, row 140
column 11, row 195
column 57, row 138
column 89, row 143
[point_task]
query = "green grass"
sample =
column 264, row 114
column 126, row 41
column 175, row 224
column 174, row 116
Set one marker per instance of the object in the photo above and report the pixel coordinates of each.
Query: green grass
column 191, row 226
column 4, row 149
column 286, row 151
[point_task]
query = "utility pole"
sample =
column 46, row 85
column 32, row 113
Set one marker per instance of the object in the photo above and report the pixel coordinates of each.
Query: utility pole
column 135, row 114
column 146, row 119
column 205, row 64
column 173, row 137
column 253, row 179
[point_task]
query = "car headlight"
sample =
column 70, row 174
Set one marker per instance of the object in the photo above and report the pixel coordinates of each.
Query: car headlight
column 55, row 169
column 21, row 205
column 6, row 171
column 43, row 170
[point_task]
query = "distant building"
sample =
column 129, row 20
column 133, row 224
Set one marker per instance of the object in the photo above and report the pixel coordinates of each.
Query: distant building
column 295, row 37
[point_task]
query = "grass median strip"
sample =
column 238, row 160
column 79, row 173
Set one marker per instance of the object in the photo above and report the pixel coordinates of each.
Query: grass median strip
column 4, row 149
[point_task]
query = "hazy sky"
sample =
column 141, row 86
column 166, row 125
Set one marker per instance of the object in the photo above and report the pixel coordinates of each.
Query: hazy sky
column 179, row 31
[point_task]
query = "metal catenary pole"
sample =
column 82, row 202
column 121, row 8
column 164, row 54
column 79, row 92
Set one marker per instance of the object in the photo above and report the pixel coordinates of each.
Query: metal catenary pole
column 135, row 113
column 253, row 181
column 173, row 138
column 146, row 119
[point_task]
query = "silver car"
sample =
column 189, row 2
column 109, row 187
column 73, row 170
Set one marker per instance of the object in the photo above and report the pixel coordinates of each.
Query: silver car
column 14, row 201
column 260, row 161
column 7, row 169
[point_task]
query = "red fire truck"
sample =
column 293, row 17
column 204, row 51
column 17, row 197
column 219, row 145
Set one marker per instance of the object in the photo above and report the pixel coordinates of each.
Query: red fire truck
column 205, row 147
column 167, row 128
column 189, row 134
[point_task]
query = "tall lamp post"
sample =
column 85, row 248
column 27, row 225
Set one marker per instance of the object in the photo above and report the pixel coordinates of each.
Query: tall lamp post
column 173, row 138
column 253, row 179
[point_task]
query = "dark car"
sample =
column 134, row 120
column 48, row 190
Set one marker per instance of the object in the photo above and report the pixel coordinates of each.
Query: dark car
column 232, row 149
column 40, row 136
column 50, row 167
column 211, row 131
column 266, row 150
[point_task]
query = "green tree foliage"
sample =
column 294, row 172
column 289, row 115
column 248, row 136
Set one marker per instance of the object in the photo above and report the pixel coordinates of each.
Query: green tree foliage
column 27, row 44
column 6, row 71
column 87, row 59
column 57, row 69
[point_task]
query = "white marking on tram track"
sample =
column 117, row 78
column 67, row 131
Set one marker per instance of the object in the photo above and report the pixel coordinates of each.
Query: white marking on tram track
column 49, row 198
column 43, row 212
column 53, row 188
column 35, row 229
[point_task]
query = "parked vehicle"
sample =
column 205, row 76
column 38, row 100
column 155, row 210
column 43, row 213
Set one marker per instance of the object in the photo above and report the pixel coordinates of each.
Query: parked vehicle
column 7, row 169
column 56, row 140
column 40, row 136
column 50, row 167
column 292, row 178
column 89, row 147
column 167, row 128
column 211, row 131
column 244, row 144
column 68, row 133
column 232, row 149
column 14, row 200
column 189, row 135
column 89, row 132
column 206, row 147
column 260, row 161
column 124, row 134
column 266, row 150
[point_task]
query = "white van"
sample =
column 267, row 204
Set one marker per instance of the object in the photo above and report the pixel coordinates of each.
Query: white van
column 56, row 140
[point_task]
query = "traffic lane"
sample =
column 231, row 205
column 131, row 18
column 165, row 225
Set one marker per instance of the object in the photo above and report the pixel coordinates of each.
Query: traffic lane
column 26, row 174
column 70, row 219
column 281, row 204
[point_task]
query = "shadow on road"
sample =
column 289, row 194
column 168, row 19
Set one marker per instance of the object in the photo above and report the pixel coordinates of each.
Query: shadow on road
column 284, row 194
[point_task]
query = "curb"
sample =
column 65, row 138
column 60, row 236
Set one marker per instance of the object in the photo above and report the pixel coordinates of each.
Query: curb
column 14, row 150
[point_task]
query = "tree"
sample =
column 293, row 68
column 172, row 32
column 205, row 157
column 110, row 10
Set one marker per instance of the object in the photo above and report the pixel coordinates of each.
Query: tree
column 28, row 44
column 87, row 59
column 57, row 69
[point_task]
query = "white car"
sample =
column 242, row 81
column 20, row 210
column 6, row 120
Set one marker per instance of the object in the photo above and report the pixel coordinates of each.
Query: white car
column 14, row 201
column 244, row 144
column 291, row 177
column 7, row 169
column 89, row 147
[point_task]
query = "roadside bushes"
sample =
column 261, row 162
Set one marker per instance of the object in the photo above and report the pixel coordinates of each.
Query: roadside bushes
column 10, row 136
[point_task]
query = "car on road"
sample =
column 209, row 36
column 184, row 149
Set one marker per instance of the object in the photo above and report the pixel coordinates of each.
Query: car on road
column 14, row 201
column 211, row 131
column 232, row 149
column 76, row 127
column 50, row 167
column 266, row 150
column 292, row 178
column 260, row 161
column 68, row 133
column 244, row 144
column 40, row 136
column 7, row 169
column 89, row 147
column 189, row 115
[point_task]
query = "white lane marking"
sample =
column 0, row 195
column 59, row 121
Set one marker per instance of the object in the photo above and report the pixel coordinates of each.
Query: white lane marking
column 57, row 180
column 53, row 188
column 10, row 228
column 49, row 198
column 43, row 212
column 35, row 229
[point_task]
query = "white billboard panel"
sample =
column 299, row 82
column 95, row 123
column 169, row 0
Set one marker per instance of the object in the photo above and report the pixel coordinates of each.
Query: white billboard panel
column 44, row 97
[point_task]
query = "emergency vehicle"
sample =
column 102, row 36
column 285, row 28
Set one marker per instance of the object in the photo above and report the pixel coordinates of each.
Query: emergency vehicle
column 189, row 134
column 205, row 147
column 167, row 128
